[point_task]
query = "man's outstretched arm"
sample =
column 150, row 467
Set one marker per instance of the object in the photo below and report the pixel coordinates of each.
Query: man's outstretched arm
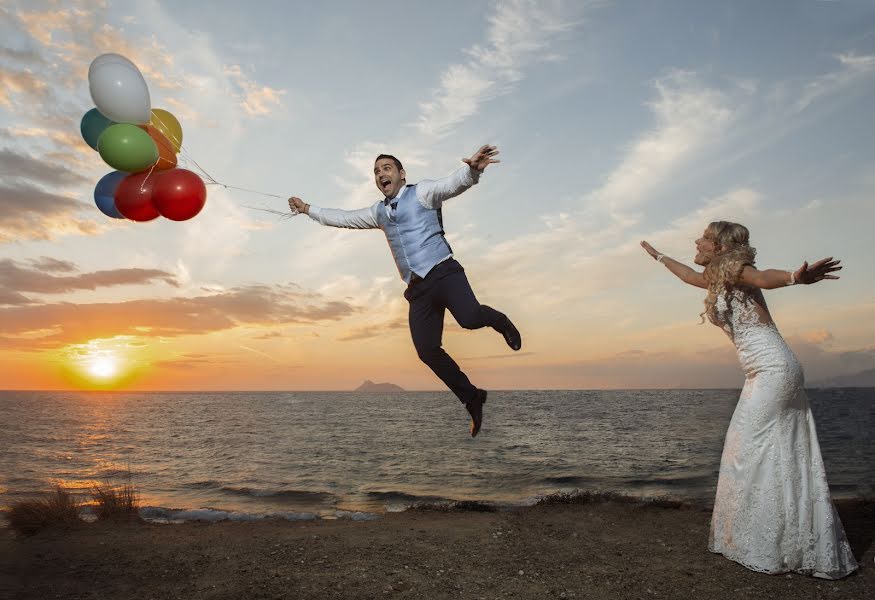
column 431, row 194
column 363, row 218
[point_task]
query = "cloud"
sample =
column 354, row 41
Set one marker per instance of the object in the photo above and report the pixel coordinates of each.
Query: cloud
column 256, row 100
column 53, row 265
column 12, row 298
column 22, row 56
column 191, row 364
column 269, row 335
column 519, row 34
column 594, row 241
column 373, row 330
column 30, row 213
column 853, row 68
column 17, row 165
column 20, row 84
column 58, row 137
column 818, row 337
column 688, row 117
column 53, row 325
column 16, row 278
column 822, row 362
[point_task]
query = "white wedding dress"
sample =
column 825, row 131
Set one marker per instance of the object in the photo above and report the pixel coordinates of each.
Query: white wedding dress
column 773, row 512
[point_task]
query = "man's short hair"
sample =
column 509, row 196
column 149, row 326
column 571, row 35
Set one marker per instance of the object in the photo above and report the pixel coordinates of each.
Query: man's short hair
column 392, row 158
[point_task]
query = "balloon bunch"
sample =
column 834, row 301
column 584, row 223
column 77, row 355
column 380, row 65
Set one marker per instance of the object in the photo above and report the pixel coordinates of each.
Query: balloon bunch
column 141, row 143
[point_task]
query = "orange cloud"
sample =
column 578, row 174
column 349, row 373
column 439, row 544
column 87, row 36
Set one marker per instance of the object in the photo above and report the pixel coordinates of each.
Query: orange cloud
column 49, row 326
column 255, row 99
column 24, row 83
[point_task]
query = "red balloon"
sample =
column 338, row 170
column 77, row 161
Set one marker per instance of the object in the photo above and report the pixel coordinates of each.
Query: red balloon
column 133, row 197
column 179, row 194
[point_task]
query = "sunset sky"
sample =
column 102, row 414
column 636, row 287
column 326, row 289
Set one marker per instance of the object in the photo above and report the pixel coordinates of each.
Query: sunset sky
column 616, row 122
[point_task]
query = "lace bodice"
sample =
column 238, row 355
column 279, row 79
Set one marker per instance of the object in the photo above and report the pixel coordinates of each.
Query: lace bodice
column 740, row 309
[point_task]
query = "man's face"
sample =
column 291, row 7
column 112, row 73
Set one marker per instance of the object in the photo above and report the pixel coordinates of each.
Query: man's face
column 388, row 178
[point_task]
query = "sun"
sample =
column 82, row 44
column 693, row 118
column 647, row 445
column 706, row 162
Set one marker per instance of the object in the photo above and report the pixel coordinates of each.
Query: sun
column 103, row 366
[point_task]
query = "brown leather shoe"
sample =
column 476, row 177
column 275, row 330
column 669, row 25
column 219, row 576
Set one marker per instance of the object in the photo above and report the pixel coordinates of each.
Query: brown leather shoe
column 475, row 409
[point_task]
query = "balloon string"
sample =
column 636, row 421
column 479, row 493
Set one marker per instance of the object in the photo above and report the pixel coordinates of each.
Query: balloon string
column 146, row 178
column 183, row 150
column 213, row 181
column 234, row 187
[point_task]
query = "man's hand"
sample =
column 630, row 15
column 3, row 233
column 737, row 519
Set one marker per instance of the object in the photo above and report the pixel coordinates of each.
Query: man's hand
column 482, row 158
column 299, row 206
column 817, row 271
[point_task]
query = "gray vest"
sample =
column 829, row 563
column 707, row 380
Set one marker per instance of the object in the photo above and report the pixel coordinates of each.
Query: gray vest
column 415, row 235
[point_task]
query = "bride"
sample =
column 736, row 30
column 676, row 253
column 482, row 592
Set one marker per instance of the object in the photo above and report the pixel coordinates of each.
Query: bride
column 773, row 512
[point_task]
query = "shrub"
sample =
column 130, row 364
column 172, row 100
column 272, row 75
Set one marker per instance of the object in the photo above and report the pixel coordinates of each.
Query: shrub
column 58, row 508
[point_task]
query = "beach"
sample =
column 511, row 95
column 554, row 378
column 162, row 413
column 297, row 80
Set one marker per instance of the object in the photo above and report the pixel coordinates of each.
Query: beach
column 601, row 550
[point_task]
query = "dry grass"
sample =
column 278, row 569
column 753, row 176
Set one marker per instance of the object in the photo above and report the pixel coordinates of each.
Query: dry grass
column 54, row 509
column 115, row 502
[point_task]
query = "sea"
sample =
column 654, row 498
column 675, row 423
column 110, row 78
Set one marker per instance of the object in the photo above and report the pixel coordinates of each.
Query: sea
column 311, row 455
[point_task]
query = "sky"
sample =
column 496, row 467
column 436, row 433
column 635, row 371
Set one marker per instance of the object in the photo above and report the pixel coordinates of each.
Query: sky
column 616, row 121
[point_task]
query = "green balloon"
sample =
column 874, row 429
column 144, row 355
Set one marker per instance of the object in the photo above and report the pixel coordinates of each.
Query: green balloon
column 127, row 148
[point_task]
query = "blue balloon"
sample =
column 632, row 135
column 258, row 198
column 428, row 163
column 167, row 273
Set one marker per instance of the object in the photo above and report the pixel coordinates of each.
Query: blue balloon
column 92, row 125
column 104, row 194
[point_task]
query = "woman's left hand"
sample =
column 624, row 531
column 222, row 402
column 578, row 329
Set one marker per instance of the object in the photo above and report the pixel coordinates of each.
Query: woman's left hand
column 818, row 271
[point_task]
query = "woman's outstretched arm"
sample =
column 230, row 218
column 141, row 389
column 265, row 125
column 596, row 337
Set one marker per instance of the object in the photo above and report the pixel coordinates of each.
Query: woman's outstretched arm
column 682, row 271
column 770, row 279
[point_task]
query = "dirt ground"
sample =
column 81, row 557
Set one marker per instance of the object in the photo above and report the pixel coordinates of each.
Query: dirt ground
column 599, row 551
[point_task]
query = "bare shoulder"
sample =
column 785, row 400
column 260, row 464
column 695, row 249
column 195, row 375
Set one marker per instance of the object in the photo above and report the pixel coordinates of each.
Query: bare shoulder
column 750, row 276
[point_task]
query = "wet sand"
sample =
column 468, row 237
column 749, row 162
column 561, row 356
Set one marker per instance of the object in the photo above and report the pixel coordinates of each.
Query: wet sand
column 600, row 551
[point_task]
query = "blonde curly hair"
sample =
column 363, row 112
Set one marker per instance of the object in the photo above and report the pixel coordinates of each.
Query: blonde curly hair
column 732, row 252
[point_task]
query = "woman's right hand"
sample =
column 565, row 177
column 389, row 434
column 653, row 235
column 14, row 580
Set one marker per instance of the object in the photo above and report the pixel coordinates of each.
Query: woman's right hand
column 649, row 249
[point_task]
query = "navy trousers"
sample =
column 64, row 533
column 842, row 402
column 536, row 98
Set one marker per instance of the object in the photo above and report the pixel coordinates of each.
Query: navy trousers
column 446, row 287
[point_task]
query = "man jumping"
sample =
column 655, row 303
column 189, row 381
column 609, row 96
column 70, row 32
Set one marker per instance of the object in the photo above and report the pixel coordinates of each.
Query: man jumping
column 410, row 216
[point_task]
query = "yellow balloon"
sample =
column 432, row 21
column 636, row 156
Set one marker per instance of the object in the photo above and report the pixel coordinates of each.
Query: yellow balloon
column 167, row 124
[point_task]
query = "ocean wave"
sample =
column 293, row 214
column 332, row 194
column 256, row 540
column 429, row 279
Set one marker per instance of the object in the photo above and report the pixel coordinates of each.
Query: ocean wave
column 395, row 497
column 568, row 480
column 693, row 481
column 300, row 495
column 202, row 485
column 356, row 515
column 159, row 514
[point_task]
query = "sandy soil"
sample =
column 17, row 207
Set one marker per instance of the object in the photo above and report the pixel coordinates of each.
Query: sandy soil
column 603, row 551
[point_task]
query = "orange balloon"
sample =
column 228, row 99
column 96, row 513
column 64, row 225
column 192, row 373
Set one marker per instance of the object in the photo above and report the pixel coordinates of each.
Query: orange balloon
column 166, row 152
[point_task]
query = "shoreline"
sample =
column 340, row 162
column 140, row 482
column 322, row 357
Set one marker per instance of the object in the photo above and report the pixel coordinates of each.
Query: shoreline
column 592, row 550
column 165, row 515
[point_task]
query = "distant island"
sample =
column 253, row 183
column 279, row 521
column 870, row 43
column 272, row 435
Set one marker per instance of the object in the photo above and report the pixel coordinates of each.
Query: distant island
column 370, row 386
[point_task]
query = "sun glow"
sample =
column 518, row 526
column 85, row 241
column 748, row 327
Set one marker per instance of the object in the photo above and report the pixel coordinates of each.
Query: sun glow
column 103, row 366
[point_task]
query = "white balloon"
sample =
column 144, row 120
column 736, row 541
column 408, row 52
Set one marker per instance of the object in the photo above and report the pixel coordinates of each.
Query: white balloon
column 119, row 91
column 110, row 57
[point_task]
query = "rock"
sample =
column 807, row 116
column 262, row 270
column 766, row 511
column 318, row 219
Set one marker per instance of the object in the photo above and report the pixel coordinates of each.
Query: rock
column 370, row 386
